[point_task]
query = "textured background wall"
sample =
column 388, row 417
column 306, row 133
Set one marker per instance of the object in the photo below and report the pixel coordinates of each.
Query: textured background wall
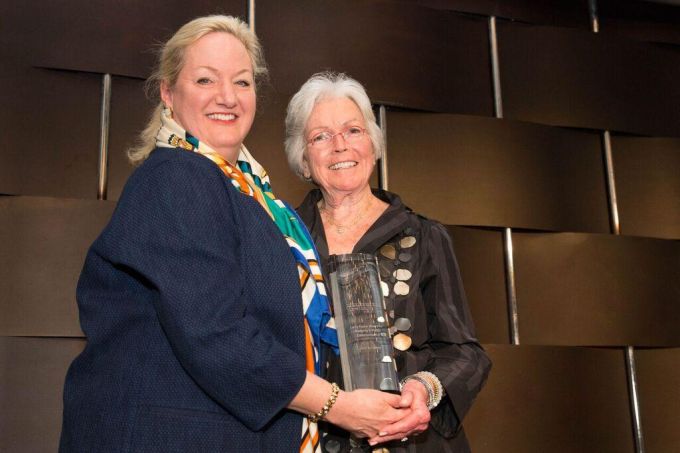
column 560, row 184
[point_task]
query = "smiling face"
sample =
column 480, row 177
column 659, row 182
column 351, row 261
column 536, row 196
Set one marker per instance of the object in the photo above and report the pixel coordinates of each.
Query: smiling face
column 214, row 96
column 344, row 166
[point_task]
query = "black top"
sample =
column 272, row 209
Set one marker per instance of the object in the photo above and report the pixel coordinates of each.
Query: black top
column 417, row 263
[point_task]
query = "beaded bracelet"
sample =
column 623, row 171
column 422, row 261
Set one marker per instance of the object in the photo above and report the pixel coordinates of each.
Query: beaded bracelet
column 313, row 418
column 435, row 390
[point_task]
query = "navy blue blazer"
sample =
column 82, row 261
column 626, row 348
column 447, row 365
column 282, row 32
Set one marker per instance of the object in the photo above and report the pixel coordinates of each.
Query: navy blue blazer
column 191, row 305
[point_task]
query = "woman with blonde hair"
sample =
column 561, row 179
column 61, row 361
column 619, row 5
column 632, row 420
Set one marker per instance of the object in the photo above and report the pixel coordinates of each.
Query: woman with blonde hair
column 202, row 300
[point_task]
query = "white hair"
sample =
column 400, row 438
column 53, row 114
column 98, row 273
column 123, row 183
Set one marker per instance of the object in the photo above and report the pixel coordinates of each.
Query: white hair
column 321, row 86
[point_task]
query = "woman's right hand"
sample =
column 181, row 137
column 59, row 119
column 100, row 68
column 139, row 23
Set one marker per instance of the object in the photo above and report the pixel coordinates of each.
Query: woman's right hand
column 365, row 412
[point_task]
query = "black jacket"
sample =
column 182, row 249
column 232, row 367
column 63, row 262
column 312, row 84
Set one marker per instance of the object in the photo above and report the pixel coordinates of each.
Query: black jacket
column 442, row 331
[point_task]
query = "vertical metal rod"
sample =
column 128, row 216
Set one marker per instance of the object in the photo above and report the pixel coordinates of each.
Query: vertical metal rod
column 508, row 254
column 594, row 20
column 510, row 285
column 635, row 400
column 495, row 69
column 630, row 350
column 382, row 169
column 611, row 183
column 104, row 121
column 251, row 15
column 615, row 227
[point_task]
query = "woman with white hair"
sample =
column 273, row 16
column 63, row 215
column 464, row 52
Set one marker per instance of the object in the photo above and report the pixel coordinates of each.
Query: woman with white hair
column 333, row 141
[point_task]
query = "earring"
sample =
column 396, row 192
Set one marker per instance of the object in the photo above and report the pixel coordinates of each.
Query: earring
column 306, row 174
column 168, row 111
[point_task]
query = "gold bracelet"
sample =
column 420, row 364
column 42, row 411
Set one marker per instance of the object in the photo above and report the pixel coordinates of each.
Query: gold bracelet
column 313, row 418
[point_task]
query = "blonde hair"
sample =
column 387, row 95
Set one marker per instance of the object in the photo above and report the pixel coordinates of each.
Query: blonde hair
column 321, row 86
column 171, row 61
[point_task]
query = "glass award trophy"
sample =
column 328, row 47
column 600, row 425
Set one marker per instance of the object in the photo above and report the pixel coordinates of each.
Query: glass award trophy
column 361, row 321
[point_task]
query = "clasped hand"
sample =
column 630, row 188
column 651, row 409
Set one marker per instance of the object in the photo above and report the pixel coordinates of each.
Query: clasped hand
column 382, row 417
column 416, row 415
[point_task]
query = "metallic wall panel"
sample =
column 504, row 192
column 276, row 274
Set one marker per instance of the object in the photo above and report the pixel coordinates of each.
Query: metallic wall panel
column 125, row 31
column 648, row 185
column 658, row 373
column 265, row 141
column 575, row 78
column 480, row 258
column 50, row 124
column 44, row 245
column 564, row 13
column 130, row 112
column 490, row 172
column 552, row 399
column 32, row 372
column 643, row 20
column 404, row 54
column 587, row 289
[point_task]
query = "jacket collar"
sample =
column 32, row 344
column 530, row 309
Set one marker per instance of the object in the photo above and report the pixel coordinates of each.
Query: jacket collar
column 390, row 223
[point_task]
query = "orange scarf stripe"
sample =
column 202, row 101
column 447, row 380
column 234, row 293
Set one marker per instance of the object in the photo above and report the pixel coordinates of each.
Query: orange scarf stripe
column 309, row 353
column 304, row 276
column 305, row 441
column 315, row 439
column 237, row 175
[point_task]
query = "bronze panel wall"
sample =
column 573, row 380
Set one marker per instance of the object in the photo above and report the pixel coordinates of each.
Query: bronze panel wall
column 404, row 54
column 482, row 171
column 480, row 258
column 563, row 13
column 658, row 372
column 50, row 142
column 32, row 372
column 648, row 185
column 130, row 111
column 587, row 289
column 552, row 399
column 44, row 244
column 265, row 141
column 101, row 36
column 644, row 20
column 576, row 78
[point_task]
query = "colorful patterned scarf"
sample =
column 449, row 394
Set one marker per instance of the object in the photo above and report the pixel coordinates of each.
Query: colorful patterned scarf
column 250, row 178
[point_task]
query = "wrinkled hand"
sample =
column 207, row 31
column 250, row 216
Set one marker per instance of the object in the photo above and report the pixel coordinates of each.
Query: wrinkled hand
column 414, row 397
column 364, row 412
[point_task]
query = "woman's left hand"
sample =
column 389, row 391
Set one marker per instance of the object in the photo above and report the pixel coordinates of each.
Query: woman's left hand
column 414, row 396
